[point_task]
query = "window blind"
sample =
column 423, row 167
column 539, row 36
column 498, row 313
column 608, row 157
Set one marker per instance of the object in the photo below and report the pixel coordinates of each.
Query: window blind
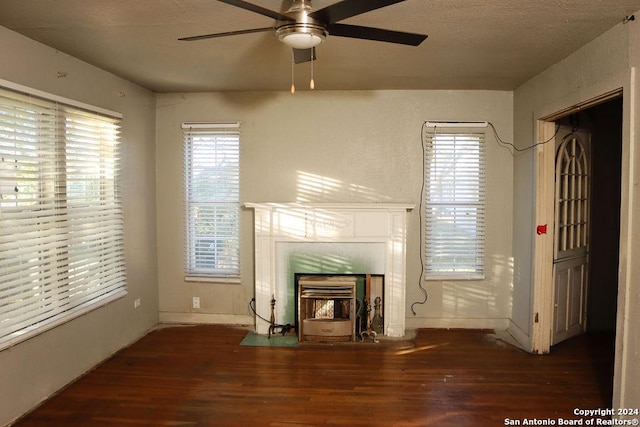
column 454, row 202
column 61, row 224
column 212, row 193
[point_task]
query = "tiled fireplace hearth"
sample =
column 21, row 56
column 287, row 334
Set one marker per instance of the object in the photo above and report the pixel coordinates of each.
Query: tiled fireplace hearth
column 364, row 238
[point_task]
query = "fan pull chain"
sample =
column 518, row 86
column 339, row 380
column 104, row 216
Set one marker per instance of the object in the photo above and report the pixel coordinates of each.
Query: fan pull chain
column 293, row 86
column 312, row 84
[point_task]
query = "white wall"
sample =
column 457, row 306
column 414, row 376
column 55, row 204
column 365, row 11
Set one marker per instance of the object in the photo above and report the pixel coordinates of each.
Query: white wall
column 335, row 147
column 33, row 370
column 601, row 66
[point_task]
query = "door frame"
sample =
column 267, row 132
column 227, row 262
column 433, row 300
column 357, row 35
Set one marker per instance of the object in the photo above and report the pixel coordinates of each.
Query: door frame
column 544, row 219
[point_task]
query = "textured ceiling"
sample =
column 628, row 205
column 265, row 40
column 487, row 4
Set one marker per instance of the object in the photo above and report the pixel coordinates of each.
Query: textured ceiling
column 472, row 44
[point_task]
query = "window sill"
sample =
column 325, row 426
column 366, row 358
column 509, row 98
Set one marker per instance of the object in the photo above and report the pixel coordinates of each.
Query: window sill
column 451, row 278
column 221, row 279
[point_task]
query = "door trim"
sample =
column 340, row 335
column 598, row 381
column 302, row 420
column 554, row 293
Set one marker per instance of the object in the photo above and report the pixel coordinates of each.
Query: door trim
column 544, row 174
column 608, row 96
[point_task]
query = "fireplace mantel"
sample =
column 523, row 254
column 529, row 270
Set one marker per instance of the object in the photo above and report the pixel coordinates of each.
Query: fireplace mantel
column 382, row 225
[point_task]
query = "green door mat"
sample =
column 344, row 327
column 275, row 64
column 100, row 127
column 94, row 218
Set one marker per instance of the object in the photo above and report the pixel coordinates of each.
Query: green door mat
column 277, row 340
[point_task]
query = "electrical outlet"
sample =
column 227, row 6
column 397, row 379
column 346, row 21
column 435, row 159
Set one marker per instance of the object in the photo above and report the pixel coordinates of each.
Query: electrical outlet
column 196, row 302
column 137, row 303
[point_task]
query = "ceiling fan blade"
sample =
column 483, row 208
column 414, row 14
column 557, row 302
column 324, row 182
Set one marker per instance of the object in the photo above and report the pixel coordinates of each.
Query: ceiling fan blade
column 377, row 34
column 228, row 33
column 348, row 8
column 257, row 9
column 304, row 55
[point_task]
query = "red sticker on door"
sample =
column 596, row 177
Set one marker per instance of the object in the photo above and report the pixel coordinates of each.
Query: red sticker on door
column 541, row 229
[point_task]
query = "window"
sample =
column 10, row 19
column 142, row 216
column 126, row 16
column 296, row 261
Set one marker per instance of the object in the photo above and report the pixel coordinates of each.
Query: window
column 61, row 225
column 212, row 189
column 454, row 193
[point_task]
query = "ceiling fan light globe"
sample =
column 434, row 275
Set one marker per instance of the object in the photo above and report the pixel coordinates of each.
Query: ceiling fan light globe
column 301, row 40
column 301, row 36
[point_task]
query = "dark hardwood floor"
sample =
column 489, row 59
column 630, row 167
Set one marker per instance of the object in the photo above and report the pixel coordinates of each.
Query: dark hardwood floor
column 200, row 375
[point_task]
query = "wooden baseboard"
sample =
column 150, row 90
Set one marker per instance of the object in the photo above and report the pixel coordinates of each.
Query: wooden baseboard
column 206, row 318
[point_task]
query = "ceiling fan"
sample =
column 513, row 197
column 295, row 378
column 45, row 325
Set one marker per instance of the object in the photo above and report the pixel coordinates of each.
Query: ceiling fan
column 302, row 28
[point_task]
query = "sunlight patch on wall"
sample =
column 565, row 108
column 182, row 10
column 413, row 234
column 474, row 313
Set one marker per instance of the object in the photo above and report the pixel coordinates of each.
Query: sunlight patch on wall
column 480, row 298
column 314, row 188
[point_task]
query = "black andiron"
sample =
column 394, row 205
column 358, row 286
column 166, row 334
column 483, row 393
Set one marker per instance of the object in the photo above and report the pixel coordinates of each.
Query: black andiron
column 273, row 326
column 368, row 332
column 371, row 333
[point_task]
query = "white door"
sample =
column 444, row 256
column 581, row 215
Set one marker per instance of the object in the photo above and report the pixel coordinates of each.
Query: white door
column 571, row 234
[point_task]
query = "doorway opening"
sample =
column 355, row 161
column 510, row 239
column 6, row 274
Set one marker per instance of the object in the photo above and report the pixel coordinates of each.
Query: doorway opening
column 604, row 123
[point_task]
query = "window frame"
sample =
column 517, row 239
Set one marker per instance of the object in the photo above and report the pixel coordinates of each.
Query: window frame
column 226, row 203
column 454, row 197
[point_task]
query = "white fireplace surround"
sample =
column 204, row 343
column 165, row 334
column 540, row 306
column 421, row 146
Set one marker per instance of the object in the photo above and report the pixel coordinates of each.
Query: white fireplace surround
column 378, row 227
